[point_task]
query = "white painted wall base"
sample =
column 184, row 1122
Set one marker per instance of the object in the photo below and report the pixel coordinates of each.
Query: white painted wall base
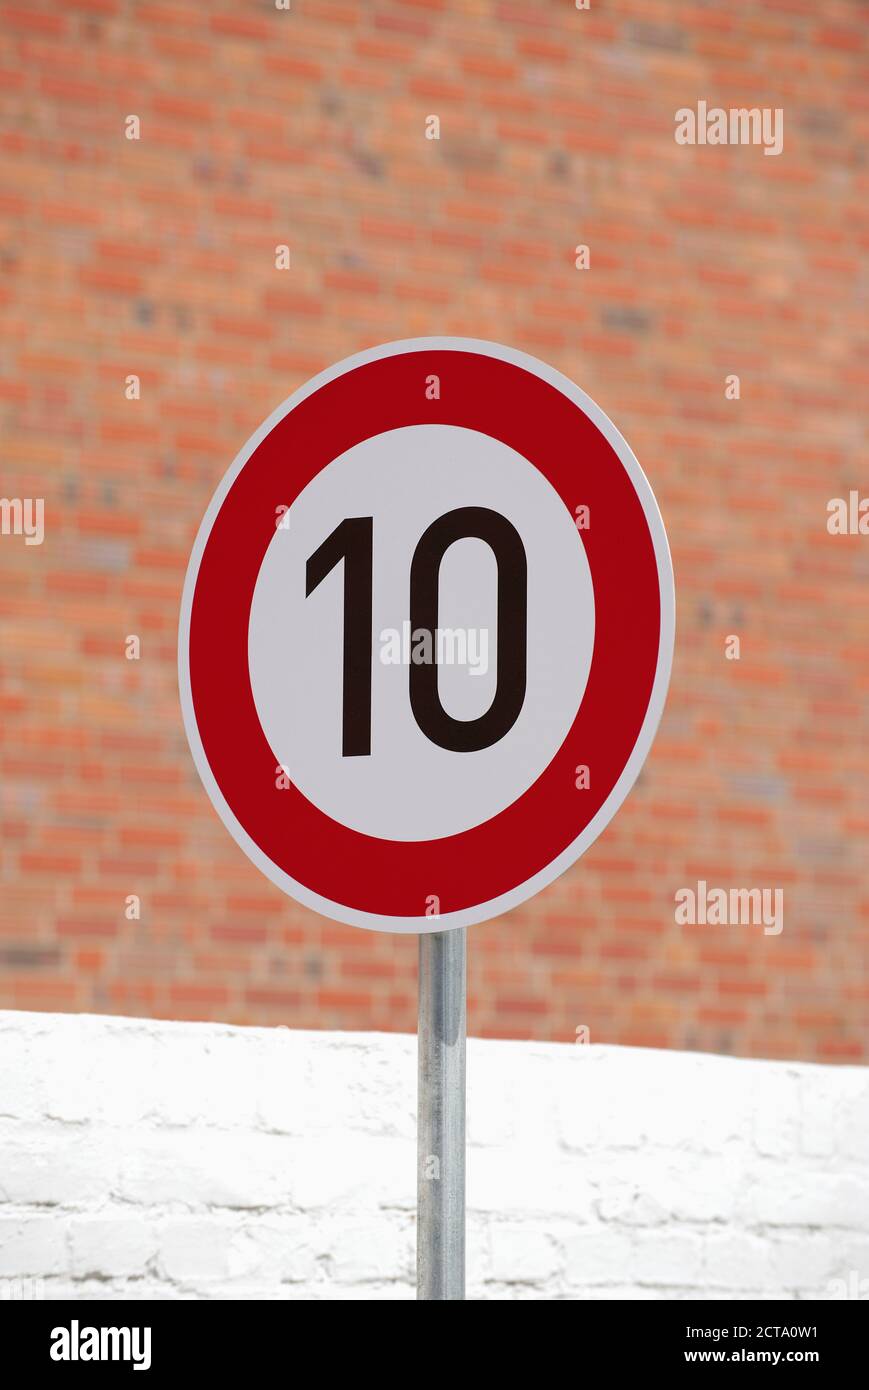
column 185, row 1160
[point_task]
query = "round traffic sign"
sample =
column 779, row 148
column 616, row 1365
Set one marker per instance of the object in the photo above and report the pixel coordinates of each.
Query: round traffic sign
column 426, row 634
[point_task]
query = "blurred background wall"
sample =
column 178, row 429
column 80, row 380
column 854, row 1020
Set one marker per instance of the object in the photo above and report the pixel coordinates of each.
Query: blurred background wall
column 156, row 257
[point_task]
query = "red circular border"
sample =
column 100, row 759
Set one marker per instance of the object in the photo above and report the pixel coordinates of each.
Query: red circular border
column 498, row 398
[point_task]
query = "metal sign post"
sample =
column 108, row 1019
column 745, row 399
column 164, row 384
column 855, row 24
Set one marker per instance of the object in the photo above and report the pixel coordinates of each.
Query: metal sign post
column 440, row 1247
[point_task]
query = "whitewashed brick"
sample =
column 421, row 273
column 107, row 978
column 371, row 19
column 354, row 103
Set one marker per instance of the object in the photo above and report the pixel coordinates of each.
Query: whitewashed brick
column 600, row 1255
column 818, row 1119
column 522, row 1254
column 53, row 1162
column 820, row 1199
column 273, row 1250
column 195, row 1249
column 201, row 1167
column 144, row 1159
column 730, row 1255
column 854, row 1126
column 804, row 1260
column 112, row 1246
column 32, row 1244
column 668, row 1257
column 775, row 1101
column 371, row 1250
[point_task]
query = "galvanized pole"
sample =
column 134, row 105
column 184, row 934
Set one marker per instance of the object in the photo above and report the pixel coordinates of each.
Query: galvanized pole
column 440, row 1232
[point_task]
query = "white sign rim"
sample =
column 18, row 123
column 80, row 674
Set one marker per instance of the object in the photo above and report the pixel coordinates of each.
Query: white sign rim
column 480, row 912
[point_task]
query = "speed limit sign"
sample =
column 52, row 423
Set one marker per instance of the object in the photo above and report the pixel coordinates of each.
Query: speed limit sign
column 426, row 634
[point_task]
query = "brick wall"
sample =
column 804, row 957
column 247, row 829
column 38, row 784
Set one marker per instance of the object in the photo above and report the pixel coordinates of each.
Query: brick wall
column 146, row 1159
column 156, row 258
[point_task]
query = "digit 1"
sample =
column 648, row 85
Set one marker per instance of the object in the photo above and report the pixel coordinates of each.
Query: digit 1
column 351, row 542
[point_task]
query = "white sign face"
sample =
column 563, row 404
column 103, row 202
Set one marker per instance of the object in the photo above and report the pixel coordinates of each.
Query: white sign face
column 410, row 787
column 426, row 635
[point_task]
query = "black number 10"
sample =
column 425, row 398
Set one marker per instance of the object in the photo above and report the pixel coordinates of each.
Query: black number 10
column 352, row 542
